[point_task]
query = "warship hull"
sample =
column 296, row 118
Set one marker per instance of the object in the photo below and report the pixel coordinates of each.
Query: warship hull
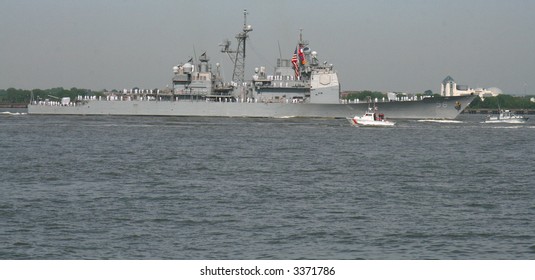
column 300, row 87
column 427, row 108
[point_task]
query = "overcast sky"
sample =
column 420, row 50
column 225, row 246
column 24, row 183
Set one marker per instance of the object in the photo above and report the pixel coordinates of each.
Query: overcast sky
column 409, row 45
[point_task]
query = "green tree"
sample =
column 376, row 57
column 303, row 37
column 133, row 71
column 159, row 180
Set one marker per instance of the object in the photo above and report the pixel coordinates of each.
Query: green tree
column 502, row 101
column 363, row 95
column 12, row 95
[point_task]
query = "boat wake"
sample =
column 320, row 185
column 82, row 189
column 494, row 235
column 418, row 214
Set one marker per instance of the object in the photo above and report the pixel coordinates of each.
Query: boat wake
column 12, row 114
column 507, row 126
column 441, row 121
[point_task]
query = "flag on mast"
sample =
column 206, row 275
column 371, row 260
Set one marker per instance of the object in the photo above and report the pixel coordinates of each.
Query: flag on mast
column 301, row 55
column 295, row 63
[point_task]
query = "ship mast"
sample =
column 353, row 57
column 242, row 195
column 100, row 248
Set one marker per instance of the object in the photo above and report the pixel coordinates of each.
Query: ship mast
column 238, row 75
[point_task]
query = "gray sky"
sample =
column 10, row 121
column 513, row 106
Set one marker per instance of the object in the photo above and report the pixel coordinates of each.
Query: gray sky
column 409, row 45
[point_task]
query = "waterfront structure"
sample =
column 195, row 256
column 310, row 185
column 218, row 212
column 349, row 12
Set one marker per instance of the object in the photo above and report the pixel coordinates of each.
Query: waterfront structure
column 450, row 88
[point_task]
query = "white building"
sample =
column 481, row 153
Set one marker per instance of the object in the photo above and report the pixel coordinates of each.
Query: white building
column 450, row 88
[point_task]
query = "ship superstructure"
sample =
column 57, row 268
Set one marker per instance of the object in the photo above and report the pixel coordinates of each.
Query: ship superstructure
column 198, row 82
column 299, row 80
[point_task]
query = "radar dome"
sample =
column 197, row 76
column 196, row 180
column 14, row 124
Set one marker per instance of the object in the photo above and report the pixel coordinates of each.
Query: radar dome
column 188, row 68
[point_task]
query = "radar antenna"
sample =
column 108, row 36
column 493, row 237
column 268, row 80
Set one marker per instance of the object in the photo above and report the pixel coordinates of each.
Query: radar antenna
column 238, row 56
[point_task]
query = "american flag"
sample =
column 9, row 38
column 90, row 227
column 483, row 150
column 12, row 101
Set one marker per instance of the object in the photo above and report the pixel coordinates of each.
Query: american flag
column 295, row 64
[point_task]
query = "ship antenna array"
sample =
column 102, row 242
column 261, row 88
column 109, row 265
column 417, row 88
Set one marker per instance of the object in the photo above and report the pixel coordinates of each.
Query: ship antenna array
column 238, row 56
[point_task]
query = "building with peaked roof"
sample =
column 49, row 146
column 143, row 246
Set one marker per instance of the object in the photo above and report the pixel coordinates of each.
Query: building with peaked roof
column 450, row 88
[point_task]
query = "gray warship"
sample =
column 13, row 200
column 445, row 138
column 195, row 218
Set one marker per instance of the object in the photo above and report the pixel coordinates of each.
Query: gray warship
column 298, row 87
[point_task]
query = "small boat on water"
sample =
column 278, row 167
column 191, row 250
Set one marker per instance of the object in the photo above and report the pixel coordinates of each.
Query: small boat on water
column 506, row 116
column 371, row 118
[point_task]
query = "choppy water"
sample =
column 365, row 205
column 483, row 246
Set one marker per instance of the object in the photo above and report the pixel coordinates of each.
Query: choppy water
column 108, row 187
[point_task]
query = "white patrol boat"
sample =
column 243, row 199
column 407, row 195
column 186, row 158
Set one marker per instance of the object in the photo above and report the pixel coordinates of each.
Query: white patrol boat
column 506, row 116
column 370, row 118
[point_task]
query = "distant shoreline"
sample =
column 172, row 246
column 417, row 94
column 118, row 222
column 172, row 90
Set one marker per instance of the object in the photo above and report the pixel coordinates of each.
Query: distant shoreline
column 497, row 111
column 13, row 105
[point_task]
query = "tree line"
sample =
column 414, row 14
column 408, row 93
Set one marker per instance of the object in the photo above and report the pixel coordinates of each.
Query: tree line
column 503, row 101
column 23, row 96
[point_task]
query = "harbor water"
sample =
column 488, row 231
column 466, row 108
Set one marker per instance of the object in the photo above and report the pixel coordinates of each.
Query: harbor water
column 119, row 187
